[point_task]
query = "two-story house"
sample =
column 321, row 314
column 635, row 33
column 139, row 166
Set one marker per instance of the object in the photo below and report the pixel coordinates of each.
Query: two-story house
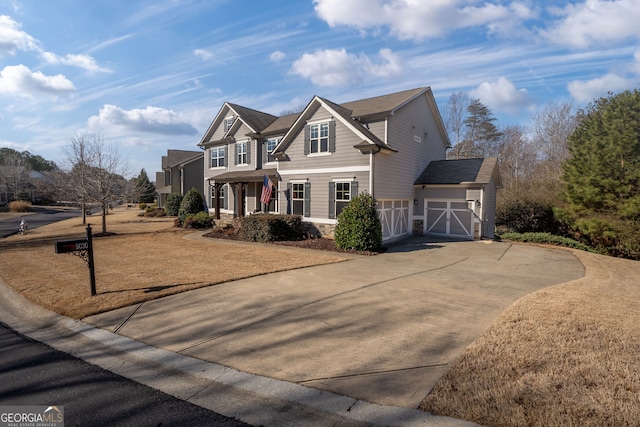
column 182, row 170
column 322, row 157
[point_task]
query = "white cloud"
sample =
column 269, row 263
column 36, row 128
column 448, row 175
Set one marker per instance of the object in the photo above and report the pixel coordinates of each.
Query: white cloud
column 150, row 120
column 204, row 54
column 416, row 19
column 595, row 22
column 20, row 80
column 503, row 96
column 85, row 62
column 12, row 38
column 332, row 67
column 277, row 56
column 588, row 90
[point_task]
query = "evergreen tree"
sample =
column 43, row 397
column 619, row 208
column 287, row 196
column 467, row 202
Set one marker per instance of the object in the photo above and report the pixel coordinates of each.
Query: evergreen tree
column 482, row 137
column 603, row 172
column 358, row 225
column 145, row 189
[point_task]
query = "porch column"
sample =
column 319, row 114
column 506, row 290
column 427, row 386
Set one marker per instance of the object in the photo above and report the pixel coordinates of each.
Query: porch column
column 216, row 188
column 239, row 198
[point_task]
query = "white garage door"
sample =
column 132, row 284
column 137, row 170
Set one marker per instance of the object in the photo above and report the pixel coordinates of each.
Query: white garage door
column 394, row 216
column 449, row 218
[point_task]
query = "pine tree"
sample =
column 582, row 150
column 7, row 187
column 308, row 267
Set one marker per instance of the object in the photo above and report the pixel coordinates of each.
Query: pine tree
column 145, row 189
column 603, row 173
column 482, row 136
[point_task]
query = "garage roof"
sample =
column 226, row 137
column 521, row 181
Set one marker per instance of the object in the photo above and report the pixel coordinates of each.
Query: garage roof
column 478, row 171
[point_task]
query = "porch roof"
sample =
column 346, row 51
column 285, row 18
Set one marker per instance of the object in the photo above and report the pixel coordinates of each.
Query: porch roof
column 256, row 175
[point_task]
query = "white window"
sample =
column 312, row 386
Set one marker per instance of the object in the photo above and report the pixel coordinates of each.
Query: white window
column 217, row 157
column 319, row 138
column 241, row 153
column 343, row 196
column 228, row 122
column 271, row 145
column 297, row 198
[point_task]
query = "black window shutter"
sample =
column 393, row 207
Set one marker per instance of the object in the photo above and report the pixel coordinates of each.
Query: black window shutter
column 307, row 139
column 307, row 199
column 332, row 136
column 210, row 159
column 332, row 199
column 224, row 154
column 287, row 194
column 235, row 154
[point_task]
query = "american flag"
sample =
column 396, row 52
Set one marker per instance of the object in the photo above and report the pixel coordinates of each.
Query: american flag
column 267, row 185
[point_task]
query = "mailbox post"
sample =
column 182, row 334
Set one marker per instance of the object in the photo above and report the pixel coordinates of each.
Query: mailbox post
column 84, row 249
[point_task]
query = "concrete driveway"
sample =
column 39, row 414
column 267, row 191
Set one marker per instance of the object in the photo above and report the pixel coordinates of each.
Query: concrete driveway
column 381, row 329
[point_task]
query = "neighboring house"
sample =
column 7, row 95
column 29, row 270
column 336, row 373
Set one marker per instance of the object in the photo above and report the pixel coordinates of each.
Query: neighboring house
column 322, row 157
column 181, row 171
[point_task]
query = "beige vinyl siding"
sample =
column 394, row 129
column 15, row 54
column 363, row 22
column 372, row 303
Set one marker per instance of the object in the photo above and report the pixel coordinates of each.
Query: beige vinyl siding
column 344, row 156
column 395, row 173
column 489, row 207
column 320, row 189
column 378, row 128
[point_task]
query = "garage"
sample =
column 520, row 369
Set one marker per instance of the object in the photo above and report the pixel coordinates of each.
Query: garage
column 449, row 218
column 457, row 198
column 394, row 216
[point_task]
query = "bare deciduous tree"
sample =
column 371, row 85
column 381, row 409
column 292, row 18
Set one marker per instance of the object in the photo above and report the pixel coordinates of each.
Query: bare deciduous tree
column 95, row 171
column 454, row 119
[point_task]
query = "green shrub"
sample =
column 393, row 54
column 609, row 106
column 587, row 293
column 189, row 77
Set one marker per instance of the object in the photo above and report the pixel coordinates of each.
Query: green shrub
column 358, row 225
column 270, row 228
column 20, row 206
column 198, row 220
column 173, row 204
column 142, row 206
column 526, row 216
column 192, row 203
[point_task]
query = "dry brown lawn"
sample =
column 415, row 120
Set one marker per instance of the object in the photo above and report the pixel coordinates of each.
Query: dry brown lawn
column 146, row 259
column 567, row 355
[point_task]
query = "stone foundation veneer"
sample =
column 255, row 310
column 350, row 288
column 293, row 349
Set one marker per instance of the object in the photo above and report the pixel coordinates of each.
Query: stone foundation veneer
column 418, row 225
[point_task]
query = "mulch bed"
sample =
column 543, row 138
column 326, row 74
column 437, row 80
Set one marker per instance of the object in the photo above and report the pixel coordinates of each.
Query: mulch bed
column 318, row 243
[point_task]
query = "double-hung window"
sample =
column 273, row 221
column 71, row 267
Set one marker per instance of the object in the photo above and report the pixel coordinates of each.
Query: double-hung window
column 297, row 198
column 319, row 138
column 228, row 122
column 270, row 146
column 241, row 153
column 343, row 196
column 217, row 157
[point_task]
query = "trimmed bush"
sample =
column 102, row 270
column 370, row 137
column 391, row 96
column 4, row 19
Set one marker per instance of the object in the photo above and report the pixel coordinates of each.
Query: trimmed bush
column 198, row 220
column 271, row 228
column 526, row 216
column 173, row 204
column 192, row 203
column 359, row 227
column 142, row 206
column 20, row 206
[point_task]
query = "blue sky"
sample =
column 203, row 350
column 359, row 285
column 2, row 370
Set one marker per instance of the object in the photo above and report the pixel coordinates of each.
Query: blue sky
column 151, row 75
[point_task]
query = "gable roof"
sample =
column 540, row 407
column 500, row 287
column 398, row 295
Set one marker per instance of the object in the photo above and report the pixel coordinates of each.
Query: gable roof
column 254, row 119
column 460, row 171
column 382, row 105
column 175, row 157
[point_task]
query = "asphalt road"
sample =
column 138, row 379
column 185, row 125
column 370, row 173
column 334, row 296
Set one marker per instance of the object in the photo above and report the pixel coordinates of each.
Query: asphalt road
column 32, row 373
column 42, row 216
